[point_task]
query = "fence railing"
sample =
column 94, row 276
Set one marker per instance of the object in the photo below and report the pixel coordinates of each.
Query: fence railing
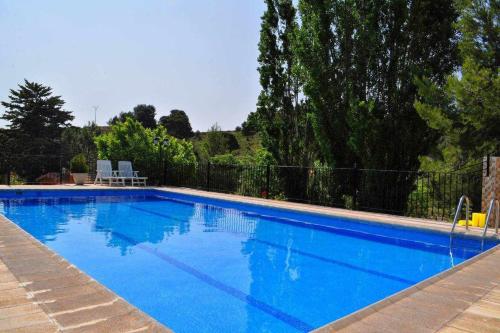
column 411, row 193
column 55, row 169
column 43, row 169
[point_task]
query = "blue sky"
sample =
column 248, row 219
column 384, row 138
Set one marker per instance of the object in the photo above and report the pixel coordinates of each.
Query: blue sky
column 195, row 55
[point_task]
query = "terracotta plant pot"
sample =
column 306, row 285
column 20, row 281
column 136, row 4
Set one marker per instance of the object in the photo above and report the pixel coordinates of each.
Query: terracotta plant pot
column 80, row 178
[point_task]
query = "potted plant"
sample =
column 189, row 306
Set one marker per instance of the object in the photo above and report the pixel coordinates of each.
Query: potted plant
column 79, row 169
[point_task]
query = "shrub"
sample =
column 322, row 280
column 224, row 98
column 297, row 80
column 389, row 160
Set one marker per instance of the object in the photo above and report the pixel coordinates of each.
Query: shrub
column 78, row 164
column 130, row 141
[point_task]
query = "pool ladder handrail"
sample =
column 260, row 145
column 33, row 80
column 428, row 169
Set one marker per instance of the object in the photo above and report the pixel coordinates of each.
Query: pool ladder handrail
column 459, row 210
column 495, row 203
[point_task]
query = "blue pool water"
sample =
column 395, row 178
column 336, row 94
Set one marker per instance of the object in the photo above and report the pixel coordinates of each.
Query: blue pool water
column 204, row 265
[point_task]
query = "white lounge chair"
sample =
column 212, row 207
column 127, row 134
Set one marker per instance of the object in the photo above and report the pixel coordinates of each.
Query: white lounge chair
column 105, row 173
column 125, row 170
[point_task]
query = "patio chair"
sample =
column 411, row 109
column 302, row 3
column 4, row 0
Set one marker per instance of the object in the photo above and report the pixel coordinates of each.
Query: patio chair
column 104, row 172
column 125, row 170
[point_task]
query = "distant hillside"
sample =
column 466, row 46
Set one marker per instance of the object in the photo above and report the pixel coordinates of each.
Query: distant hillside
column 248, row 145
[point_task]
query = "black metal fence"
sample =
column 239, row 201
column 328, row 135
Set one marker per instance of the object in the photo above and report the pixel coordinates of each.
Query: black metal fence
column 411, row 193
column 55, row 169
column 34, row 169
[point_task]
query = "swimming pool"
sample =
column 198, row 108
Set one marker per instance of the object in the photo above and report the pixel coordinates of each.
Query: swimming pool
column 205, row 265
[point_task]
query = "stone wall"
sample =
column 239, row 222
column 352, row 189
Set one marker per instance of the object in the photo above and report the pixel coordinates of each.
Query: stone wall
column 491, row 181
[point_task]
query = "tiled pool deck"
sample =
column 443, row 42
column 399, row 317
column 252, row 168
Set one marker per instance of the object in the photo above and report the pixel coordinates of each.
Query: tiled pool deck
column 41, row 292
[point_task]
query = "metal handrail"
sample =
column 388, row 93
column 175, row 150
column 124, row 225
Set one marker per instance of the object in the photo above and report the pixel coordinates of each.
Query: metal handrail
column 497, row 216
column 493, row 202
column 459, row 209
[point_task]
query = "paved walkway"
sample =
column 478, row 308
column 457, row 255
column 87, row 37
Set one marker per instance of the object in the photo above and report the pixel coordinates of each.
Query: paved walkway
column 482, row 316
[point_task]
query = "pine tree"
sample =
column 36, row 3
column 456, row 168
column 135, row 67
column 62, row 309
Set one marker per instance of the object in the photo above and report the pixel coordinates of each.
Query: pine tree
column 36, row 118
column 465, row 110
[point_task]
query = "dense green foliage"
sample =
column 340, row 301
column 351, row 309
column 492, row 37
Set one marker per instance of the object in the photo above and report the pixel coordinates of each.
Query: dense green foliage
column 352, row 71
column 177, row 124
column 131, row 141
column 465, row 110
column 347, row 71
column 76, row 140
column 78, row 164
column 360, row 60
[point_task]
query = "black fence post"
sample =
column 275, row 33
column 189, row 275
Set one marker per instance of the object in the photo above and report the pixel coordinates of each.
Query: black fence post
column 268, row 180
column 208, row 176
column 488, row 165
column 165, row 173
column 60, row 169
column 8, row 177
column 355, row 181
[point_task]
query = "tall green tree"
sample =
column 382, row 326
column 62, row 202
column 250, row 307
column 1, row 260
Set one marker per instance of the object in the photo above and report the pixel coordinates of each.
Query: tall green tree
column 177, row 124
column 360, row 60
column 36, row 115
column 281, row 111
column 145, row 114
column 322, row 59
column 465, row 110
column 36, row 119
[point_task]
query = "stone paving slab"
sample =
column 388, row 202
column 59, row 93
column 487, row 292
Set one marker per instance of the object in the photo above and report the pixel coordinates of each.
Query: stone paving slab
column 17, row 310
column 42, row 292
